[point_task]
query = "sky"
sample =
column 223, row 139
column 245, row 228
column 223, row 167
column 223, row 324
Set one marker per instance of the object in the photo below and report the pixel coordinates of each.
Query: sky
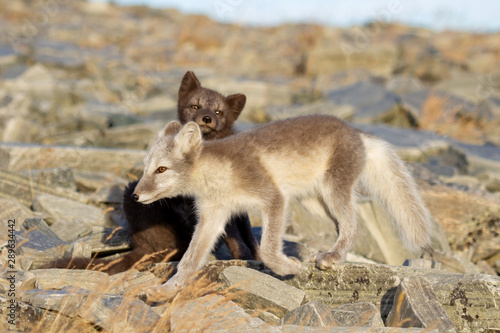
column 467, row 15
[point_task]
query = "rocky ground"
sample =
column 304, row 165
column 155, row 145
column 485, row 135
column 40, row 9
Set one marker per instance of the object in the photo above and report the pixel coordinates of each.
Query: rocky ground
column 84, row 88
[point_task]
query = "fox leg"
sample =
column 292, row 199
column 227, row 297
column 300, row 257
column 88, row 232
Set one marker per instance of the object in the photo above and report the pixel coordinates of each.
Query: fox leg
column 207, row 232
column 235, row 238
column 339, row 208
column 273, row 218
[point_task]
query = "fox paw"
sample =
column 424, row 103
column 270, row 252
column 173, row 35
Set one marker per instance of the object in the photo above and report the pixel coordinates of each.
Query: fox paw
column 287, row 266
column 165, row 292
column 325, row 260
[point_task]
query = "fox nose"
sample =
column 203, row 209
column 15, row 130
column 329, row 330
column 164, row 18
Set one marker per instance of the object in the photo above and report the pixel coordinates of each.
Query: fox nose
column 207, row 120
column 135, row 197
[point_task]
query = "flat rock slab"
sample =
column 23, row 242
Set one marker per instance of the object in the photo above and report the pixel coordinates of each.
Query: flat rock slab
column 362, row 314
column 313, row 313
column 22, row 189
column 120, row 314
column 63, row 208
column 215, row 313
column 106, row 240
column 24, row 157
column 13, row 210
column 416, row 305
column 263, row 291
column 68, row 303
column 34, row 319
column 371, row 102
column 132, row 283
column 55, row 278
column 307, row 329
column 468, row 299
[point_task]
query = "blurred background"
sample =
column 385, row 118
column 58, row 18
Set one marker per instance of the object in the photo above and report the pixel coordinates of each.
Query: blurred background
column 423, row 75
column 71, row 70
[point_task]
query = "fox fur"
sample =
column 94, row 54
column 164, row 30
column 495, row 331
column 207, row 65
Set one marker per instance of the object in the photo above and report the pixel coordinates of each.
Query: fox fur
column 319, row 160
column 163, row 229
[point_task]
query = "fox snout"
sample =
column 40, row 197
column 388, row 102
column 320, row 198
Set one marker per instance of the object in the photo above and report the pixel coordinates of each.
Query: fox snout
column 135, row 197
column 207, row 119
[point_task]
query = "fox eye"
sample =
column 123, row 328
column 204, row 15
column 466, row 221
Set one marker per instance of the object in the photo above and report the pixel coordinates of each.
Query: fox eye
column 219, row 113
column 195, row 107
column 161, row 169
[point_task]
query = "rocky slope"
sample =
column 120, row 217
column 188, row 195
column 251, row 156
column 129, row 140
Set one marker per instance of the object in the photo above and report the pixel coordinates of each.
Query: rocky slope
column 84, row 88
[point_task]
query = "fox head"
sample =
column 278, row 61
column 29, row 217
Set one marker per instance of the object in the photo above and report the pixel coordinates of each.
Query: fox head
column 213, row 112
column 169, row 162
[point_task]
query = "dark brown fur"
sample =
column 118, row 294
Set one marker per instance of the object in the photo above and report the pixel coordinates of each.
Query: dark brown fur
column 162, row 230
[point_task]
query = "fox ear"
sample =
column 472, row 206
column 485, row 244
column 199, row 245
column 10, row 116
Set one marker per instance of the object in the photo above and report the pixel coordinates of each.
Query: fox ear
column 236, row 102
column 189, row 138
column 189, row 83
column 172, row 128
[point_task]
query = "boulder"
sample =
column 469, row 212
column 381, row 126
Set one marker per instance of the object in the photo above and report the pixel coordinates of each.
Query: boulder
column 371, row 102
column 361, row 314
column 120, row 314
column 55, row 278
column 215, row 313
column 57, row 207
column 416, row 305
column 312, row 313
column 262, row 291
column 13, row 210
column 22, row 157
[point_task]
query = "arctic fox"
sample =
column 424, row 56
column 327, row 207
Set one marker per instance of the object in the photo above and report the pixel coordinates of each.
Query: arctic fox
column 163, row 229
column 319, row 160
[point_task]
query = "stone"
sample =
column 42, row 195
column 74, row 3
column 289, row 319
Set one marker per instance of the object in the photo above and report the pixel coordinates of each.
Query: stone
column 92, row 181
column 11, row 209
column 307, row 329
column 63, row 208
column 312, row 313
column 371, row 102
column 491, row 180
column 453, row 262
column 136, row 136
column 21, row 188
column 43, row 259
column 362, row 314
column 56, row 278
column 56, row 177
column 23, row 157
column 345, row 112
column 40, row 225
column 423, row 263
column 31, row 319
column 106, row 240
column 108, row 194
column 19, row 129
column 216, row 313
column 63, row 301
column 132, row 283
column 468, row 299
column 33, row 241
column 22, row 280
column 68, row 230
column 416, row 305
column 37, row 79
column 7, row 56
column 118, row 314
column 262, row 291
column 377, row 239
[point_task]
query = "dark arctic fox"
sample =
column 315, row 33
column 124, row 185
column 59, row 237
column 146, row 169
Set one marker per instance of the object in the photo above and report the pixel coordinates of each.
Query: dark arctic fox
column 163, row 229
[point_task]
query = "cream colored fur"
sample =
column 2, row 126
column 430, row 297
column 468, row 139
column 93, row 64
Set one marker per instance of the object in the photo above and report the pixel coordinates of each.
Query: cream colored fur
column 319, row 160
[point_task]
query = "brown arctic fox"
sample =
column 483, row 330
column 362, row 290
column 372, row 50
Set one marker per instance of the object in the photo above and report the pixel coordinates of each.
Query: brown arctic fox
column 319, row 160
column 164, row 228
